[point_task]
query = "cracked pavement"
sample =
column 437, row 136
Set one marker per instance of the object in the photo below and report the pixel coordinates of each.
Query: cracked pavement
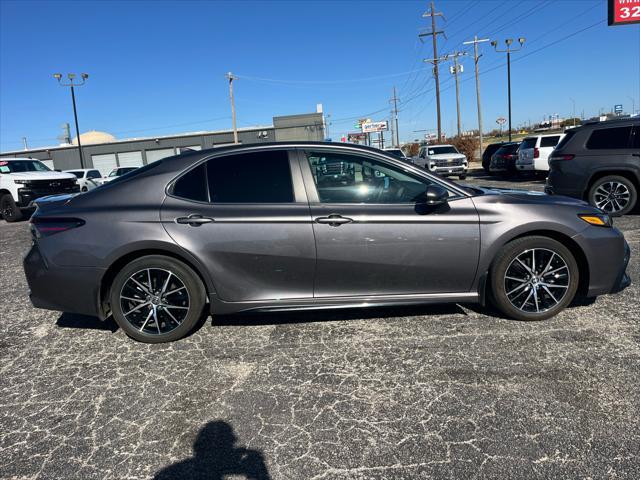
column 449, row 391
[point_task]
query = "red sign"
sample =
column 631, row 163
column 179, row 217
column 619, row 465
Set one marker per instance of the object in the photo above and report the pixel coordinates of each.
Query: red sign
column 623, row 12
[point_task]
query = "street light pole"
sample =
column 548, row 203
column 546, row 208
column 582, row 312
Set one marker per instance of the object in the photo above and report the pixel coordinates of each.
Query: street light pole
column 71, row 84
column 508, row 42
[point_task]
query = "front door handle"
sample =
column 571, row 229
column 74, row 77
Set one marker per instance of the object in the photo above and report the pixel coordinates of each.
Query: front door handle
column 194, row 220
column 334, row 220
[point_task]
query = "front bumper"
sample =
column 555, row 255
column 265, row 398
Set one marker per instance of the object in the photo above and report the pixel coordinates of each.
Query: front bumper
column 607, row 254
column 66, row 289
column 450, row 170
column 27, row 196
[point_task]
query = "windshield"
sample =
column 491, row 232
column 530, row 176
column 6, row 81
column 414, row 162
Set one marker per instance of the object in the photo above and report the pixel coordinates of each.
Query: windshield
column 19, row 166
column 441, row 150
column 395, row 151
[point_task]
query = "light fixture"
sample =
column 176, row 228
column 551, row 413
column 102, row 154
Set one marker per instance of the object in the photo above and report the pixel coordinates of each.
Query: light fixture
column 521, row 40
column 71, row 76
column 57, row 76
column 508, row 41
column 84, row 76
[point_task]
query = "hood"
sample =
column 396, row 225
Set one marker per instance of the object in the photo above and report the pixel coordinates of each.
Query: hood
column 40, row 175
column 531, row 196
column 446, row 156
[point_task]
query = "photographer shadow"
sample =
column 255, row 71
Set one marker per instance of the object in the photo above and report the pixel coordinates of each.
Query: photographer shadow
column 216, row 456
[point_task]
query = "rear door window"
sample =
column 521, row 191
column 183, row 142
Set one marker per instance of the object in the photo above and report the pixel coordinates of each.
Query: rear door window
column 609, row 138
column 549, row 141
column 260, row 177
column 528, row 143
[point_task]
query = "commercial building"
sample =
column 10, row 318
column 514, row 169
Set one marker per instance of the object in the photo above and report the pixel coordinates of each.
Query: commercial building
column 103, row 152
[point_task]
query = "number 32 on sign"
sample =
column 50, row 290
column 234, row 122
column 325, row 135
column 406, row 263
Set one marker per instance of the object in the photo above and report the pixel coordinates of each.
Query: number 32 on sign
column 623, row 12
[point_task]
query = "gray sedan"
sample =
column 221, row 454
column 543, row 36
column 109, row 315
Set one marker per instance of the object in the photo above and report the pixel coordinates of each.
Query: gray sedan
column 291, row 226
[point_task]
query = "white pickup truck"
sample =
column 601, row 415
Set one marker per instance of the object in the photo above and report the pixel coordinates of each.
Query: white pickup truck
column 24, row 180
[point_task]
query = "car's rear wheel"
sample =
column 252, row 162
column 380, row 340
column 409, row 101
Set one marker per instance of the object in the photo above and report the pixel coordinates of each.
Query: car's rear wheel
column 614, row 194
column 533, row 278
column 9, row 210
column 157, row 299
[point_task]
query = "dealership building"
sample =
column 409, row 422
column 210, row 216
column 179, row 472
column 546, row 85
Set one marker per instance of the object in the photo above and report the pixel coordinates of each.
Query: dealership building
column 103, row 152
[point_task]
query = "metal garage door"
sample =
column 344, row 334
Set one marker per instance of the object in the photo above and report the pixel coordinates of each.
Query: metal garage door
column 153, row 155
column 104, row 163
column 130, row 159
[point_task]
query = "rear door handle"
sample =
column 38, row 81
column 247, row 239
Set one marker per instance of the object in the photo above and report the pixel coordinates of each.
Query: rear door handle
column 194, row 220
column 334, row 220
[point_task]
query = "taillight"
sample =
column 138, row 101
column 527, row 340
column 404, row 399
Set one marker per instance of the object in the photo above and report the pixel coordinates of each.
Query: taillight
column 509, row 156
column 47, row 226
column 562, row 156
column 536, row 152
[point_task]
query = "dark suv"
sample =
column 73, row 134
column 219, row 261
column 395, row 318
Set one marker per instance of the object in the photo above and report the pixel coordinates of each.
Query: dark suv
column 599, row 162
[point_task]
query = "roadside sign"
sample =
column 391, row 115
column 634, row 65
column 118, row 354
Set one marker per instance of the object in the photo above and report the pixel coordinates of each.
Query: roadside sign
column 374, row 127
column 501, row 120
column 617, row 108
column 623, row 12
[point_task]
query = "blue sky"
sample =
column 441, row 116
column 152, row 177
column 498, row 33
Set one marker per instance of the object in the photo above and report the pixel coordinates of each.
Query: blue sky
column 157, row 67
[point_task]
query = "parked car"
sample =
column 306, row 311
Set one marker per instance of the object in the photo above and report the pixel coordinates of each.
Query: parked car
column 504, row 160
column 115, row 173
column 599, row 162
column 534, row 152
column 24, row 180
column 445, row 160
column 87, row 178
column 250, row 228
column 488, row 153
column 398, row 153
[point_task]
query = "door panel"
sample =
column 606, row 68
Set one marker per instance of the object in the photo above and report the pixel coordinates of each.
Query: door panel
column 392, row 249
column 252, row 252
column 386, row 248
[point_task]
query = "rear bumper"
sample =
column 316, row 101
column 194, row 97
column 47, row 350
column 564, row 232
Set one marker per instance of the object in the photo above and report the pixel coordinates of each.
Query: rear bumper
column 66, row 289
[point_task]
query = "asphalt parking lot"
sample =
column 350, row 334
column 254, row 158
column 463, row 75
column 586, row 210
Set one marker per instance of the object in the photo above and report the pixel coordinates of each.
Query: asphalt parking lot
column 434, row 392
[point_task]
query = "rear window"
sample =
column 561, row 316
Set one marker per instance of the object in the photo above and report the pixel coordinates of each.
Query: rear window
column 528, row 143
column 549, row 141
column 609, row 138
column 567, row 136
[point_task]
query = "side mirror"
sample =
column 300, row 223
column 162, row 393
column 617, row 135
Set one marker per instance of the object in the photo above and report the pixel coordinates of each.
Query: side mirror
column 434, row 195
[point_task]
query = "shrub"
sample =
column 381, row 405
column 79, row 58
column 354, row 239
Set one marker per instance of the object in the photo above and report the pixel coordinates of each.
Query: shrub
column 467, row 145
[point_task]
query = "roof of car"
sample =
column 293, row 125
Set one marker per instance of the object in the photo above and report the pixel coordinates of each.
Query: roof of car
column 11, row 159
column 634, row 120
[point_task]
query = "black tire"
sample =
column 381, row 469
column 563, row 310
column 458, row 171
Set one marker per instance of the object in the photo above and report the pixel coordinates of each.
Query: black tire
column 85, row 189
column 9, row 210
column 462, row 177
column 595, row 197
column 506, row 260
column 194, row 299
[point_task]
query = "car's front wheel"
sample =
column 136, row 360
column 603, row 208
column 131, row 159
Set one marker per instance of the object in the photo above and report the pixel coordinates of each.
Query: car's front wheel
column 8, row 209
column 157, row 299
column 613, row 194
column 533, row 278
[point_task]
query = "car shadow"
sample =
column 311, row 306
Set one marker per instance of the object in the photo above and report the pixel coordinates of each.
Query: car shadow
column 309, row 316
column 75, row 320
column 216, row 455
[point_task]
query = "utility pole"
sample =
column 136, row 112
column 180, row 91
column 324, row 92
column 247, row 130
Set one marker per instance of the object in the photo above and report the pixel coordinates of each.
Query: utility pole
column 72, row 84
column 455, row 70
column 434, row 35
column 476, row 58
column 574, row 111
column 231, row 77
column 395, row 116
column 508, row 42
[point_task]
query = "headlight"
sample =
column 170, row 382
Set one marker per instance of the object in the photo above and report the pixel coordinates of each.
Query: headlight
column 598, row 219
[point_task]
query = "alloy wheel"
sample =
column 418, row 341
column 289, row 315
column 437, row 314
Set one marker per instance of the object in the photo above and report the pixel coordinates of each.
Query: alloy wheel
column 155, row 301
column 537, row 280
column 612, row 196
